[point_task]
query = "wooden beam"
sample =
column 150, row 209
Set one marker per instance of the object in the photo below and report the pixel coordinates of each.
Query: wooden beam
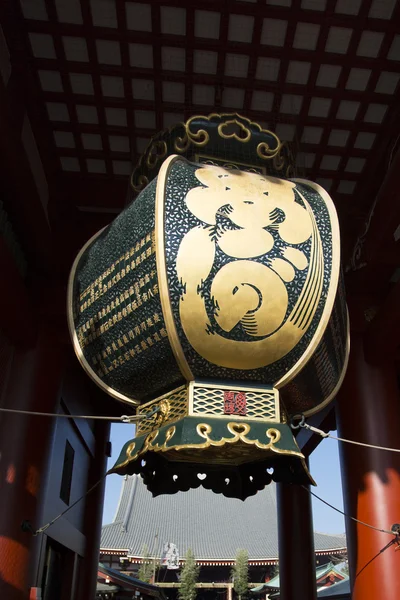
column 386, row 217
column 16, row 314
column 382, row 337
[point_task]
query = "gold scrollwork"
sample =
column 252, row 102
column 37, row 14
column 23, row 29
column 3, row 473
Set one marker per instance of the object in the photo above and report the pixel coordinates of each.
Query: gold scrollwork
column 141, row 183
column 130, row 449
column 238, row 430
column 200, row 138
column 170, row 434
column 290, row 172
column 234, row 135
column 157, row 148
column 164, row 410
column 156, row 152
column 181, row 144
column 265, row 152
column 279, row 159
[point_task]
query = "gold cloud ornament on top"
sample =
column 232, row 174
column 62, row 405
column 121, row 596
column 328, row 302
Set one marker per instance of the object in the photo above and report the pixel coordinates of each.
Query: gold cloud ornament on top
column 215, row 302
column 242, row 129
column 204, row 134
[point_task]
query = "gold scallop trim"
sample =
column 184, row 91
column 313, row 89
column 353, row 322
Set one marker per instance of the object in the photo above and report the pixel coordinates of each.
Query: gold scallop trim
column 162, row 269
column 331, row 294
column 71, row 326
column 237, row 429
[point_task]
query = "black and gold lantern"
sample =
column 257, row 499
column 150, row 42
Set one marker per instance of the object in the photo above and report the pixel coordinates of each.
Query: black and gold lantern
column 214, row 302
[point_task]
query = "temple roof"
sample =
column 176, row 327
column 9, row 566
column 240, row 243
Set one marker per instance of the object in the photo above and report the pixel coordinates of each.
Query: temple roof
column 212, row 525
column 125, row 582
column 339, row 590
column 320, row 572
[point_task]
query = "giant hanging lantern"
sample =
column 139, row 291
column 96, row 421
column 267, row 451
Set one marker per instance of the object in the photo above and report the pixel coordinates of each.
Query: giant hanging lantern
column 214, row 302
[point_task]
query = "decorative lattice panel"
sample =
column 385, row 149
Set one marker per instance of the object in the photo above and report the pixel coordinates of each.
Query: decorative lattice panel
column 163, row 410
column 260, row 404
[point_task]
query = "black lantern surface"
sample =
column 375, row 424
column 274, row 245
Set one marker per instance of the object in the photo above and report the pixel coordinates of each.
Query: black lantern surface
column 214, row 302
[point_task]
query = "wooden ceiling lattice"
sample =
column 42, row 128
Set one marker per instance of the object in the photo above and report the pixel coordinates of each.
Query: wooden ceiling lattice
column 111, row 73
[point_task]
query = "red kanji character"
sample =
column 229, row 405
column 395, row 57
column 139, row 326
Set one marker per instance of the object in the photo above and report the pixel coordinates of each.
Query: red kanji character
column 240, row 403
column 229, row 403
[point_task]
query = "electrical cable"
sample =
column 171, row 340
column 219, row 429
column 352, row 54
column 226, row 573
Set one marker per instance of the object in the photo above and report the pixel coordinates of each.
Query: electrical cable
column 324, row 434
column 391, row 543
column 339, row 439
column 123, row 418
column 349, row 516
column 44, row 527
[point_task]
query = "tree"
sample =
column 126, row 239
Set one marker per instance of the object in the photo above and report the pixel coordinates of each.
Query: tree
column 240, row 573
column 189, row 577
column 146, row 568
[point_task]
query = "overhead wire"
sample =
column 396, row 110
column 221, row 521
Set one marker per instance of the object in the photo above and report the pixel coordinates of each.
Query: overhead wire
column 50, row 523
column 349, row 516
column 133, row 418
column 123, row 418
column 325, row 434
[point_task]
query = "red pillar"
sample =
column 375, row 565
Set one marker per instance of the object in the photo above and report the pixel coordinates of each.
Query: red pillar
column 296, row 543
column 33, row 384
column 368, row 410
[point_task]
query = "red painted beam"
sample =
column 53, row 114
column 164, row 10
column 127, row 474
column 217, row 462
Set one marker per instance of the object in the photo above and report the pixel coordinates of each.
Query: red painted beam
column 386, row 217
column 16, row 315
column 382, row 337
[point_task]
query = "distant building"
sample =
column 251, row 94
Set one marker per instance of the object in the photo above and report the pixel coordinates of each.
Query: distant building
column 113, row 584
column 212, row 525
column 327, row 577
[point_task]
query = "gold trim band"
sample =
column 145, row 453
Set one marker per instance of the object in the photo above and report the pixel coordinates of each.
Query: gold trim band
column 162, row 269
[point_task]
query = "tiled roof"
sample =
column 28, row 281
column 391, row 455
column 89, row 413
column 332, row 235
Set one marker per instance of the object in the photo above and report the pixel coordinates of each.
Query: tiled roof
column 320, row 572
column 212, row 525
column 127, row 582
column 338, row 590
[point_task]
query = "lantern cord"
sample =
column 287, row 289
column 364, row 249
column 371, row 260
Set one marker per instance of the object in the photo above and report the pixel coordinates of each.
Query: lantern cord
column 394, row 532
column 123, row 418
column 44, row 527
column 391, row 543
column 324, row 434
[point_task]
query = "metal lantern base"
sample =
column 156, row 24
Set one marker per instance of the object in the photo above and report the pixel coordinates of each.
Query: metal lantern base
column 234, row 441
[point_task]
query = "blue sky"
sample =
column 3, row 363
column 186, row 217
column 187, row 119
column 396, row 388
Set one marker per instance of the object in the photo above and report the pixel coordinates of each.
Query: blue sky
column 324, row 466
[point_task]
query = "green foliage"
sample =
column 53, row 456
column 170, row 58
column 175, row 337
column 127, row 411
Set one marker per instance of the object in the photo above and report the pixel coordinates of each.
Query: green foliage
column 189, row 577
column 240, row 573
column 146, row 568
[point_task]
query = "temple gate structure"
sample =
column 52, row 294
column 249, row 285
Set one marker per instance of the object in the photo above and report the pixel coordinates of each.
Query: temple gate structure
column 84, row 85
